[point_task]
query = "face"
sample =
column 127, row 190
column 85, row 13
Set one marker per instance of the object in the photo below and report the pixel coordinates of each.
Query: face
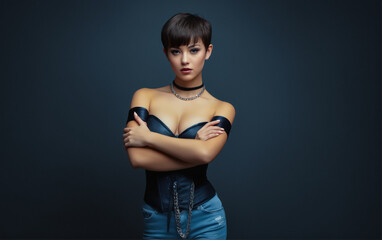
column 187, row 61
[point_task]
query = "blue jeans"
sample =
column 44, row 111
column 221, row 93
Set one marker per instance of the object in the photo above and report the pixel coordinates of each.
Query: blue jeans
column 208, row 221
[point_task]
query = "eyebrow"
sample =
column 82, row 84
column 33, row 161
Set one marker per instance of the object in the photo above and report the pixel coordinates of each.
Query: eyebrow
column 194, row 45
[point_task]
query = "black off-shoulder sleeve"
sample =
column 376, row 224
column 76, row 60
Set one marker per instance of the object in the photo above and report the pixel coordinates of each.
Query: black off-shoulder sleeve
column 224, row 123
column 141, row 111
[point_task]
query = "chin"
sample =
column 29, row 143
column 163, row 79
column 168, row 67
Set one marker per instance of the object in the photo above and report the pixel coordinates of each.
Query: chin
column 186, row 77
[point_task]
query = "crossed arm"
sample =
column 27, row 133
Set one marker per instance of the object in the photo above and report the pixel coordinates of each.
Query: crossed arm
column 154, row 160
column 157, row 152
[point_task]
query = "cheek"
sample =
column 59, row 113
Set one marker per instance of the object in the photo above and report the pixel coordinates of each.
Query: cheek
column 173, row 62
column 200, row 62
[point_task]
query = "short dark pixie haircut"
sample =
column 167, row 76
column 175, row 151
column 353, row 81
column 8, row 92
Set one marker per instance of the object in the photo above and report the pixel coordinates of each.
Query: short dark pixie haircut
column 182, row 28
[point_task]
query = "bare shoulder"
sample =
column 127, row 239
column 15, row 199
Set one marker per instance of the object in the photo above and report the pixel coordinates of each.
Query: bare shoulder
column 142, row 91
column 226, row 109
column 142, row 98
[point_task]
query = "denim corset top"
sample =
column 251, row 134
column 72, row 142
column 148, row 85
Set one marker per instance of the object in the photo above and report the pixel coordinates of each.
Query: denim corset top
column 158, row 192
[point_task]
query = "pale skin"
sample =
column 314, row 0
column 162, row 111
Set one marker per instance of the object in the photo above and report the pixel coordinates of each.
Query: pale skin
column 157, row 152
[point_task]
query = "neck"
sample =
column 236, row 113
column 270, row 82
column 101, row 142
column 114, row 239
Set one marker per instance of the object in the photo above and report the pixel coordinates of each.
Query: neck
column 197, row 81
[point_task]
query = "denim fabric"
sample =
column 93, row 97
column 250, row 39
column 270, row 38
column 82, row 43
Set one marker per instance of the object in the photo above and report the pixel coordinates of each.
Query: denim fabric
column 208, row 221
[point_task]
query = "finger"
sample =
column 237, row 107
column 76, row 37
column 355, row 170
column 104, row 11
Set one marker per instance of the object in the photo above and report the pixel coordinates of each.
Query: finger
column 214, row 131
column 211, row 135
column 210, row 123
column 213, row 122
column 138, row 119
column 126, row 130
column 216, row 128
column 126, row 135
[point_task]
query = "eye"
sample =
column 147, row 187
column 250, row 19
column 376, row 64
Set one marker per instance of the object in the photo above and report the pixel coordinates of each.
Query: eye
column 175, row 52
column 195, row 50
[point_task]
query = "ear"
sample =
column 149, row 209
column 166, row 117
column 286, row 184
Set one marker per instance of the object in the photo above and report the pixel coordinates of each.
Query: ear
column 209, row 51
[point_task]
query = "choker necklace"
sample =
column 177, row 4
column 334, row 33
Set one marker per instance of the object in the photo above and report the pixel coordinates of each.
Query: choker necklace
column 186, row 88
column 189, row 98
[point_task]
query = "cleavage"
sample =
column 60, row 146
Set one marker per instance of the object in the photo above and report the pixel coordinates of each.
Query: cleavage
column 178, row 132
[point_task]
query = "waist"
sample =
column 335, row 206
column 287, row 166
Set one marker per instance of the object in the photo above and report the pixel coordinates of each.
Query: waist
column 159, row 190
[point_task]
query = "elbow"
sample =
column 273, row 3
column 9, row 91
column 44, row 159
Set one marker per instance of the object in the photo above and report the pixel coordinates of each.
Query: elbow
column 206, row 157
column 134, row 164
column 133, row 158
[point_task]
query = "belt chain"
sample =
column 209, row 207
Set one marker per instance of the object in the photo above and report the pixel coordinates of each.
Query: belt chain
column 177, row 212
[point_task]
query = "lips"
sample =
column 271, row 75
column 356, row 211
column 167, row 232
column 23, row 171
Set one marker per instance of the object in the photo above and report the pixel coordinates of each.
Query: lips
column 185, row 70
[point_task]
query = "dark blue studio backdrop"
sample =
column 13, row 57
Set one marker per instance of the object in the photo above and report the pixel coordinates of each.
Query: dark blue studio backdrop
column 303, row 158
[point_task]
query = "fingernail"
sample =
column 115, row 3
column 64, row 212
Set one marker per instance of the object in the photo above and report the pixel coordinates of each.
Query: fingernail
column 135, row 113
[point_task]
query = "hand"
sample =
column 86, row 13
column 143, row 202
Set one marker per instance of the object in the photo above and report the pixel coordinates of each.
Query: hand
column 136, row 136
column 209, row 131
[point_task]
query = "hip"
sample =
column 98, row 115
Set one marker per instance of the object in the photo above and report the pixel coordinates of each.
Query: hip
column 208, row 220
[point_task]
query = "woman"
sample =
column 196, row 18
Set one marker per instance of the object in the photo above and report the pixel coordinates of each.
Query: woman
column 174, row 132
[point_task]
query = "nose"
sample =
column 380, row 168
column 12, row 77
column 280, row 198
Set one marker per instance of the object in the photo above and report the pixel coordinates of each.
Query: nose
column 184, row 59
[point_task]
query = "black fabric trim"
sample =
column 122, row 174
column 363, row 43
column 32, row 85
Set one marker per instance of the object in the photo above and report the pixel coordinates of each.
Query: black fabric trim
column 224, row 123
column 141, row 111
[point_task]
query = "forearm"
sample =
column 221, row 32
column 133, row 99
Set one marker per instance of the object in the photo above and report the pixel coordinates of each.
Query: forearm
column 151, row 159
column 186, row 150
